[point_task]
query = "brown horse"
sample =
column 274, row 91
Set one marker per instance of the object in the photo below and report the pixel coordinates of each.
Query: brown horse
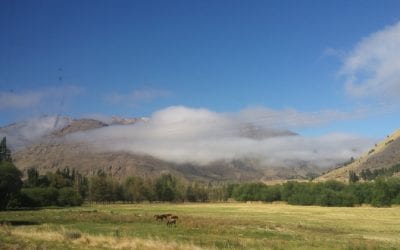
column 171, row 222
column 160, row 217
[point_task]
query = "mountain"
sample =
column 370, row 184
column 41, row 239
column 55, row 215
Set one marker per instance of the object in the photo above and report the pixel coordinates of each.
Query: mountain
column 24, row 133
column 251, row 131
column 49, row 149
column 384, row 155
column 115, row 120
column 80, row 125
column 50, row 156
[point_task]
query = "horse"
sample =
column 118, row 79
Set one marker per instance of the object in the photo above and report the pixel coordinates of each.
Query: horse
column 160, row 217
column 171, row 222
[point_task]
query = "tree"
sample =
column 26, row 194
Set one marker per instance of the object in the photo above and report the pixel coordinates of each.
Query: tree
column 68, row 196
column 5, row 152
column 367, row 175
column 98, row 188
column 10, row 176
column 33, row 177
column 353, row 178
column 196, row 192
column 10, row 182
column 134, row 189
column 104, row 188
column 361, row 191
column 167, row 188
column 381, row 194
column 81, row 184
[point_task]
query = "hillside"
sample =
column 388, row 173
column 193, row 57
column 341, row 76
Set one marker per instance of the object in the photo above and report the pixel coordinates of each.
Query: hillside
column 384, row 155
column 50, row 156
column 53, row 155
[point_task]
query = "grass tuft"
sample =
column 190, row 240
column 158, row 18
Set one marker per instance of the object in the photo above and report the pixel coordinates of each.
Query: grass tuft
column 6, row 228
column 72, row 235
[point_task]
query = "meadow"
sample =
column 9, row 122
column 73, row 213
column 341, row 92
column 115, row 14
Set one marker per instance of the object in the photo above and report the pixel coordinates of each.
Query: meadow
column 201, row 226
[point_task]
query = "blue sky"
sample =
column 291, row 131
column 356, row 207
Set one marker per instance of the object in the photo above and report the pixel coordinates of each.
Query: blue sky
column 132, row 58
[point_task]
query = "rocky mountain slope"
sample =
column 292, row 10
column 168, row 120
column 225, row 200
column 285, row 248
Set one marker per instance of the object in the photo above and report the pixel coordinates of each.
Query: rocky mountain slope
column 384, row 155
column 79, row 125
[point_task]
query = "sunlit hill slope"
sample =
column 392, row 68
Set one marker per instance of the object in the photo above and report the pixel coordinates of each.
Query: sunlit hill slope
column 385, row 154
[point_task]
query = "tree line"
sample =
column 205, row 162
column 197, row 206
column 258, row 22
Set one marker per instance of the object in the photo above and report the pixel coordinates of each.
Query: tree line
column 380, row 193
column 166, row 188
column 70, row 188
column 67, row 187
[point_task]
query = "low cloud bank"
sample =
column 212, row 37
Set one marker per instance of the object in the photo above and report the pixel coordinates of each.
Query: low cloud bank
column 201, row 136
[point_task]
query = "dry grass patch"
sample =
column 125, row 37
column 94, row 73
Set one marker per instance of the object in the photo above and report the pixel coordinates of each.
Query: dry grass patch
column 46, row 233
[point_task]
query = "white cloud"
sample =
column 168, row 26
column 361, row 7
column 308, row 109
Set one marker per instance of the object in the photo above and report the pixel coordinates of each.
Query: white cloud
column 137, row 96
column 372, row 68
column 181, row 134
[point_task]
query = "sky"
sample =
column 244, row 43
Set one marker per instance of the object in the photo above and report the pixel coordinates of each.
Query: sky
column 314, row 67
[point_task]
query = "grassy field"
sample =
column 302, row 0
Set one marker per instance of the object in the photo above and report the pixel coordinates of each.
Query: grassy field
column 209, row 226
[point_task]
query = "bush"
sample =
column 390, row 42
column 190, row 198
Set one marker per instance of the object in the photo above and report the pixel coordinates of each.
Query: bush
column 20, row 200
column 39, row 197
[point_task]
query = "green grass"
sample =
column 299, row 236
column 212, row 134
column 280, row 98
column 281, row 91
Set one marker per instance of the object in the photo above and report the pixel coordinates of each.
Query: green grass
column 228, row 225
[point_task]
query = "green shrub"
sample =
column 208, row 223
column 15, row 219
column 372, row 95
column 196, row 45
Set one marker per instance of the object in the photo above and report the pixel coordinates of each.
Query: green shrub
column 38, row 197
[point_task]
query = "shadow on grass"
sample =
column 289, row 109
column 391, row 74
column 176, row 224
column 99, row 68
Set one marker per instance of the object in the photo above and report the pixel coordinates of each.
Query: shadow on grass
column 21, row 209
column 19, row 223
column 33, row 208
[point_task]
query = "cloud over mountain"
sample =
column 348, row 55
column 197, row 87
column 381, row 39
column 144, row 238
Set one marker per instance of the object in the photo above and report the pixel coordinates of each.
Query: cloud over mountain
column 201, row 136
